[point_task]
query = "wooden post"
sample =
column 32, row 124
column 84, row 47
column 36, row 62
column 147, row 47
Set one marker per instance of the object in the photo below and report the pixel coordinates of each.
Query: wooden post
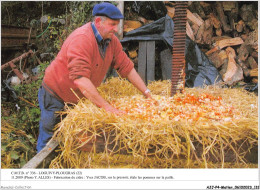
column 166, row 64
column 146, row 60
column 150, row 60
column 120, row 6
column 142, row 60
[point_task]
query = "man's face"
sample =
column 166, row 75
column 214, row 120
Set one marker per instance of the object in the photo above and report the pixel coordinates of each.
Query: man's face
column 107, row 27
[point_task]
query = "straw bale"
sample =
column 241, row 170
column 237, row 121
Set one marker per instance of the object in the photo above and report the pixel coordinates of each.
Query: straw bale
column 200, row 128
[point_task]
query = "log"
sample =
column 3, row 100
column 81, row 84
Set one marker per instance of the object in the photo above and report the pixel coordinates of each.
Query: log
column 169, row 3
column 132, row 54
column 231, row 21
column 234, row 73
column 208, row 24
column 142, row 20
column 223, row 55
column 215, row 21
column 170, row 11
column 232, row 68
column 252, row 63
column 254, row 72
column 219, row 32
column 240, row 26
column 244, row 36
column 194, row 18
column 203, row 31
column 189, row 31
column 199, row 35
column 235, row 11
column 243, row 52
column 131, row 25
column 231, row 9
column 254, row 54
column 135, row 61
column 219, row 58
column 224, row 43
column 218, row 38
column 229, row 42
column 255, row 80
column 206, row 7
column 247, row 13
column 208, row 32
column 253, row 24
column 228, row 5
column 222, row 17
column 244, row 67
column 196, row 7
column 223, row 69
column 195, row 29
column 252, row 40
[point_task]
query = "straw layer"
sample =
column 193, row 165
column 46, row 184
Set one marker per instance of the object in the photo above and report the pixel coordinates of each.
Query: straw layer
column 203, row 127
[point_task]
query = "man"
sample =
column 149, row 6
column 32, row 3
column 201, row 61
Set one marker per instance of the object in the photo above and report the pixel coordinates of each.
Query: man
column 81, row 66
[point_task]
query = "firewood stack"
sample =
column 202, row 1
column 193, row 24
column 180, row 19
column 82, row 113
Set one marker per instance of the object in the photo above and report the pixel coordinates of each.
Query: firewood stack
column 230, row 30
column 227, row 32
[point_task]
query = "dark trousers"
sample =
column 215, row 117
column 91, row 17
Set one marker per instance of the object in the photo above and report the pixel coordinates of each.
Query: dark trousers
column 48, row 105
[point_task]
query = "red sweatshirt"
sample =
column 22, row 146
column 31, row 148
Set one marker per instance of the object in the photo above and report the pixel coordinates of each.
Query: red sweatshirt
column 80, row 57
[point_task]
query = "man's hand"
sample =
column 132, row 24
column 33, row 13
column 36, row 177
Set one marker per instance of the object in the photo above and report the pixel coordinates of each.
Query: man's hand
column 113, row 110
column 148, row 95
column 155, row 102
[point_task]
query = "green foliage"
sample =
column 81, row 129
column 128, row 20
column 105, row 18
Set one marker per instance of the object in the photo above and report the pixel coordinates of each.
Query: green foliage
column 20, row 13
column 51, row 38
column 81, row 12
column 16, row 146
column 29, row 112
column 19, row 130
column 56, row 29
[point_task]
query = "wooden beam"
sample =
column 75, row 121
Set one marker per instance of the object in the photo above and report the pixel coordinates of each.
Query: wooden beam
column 39, row 158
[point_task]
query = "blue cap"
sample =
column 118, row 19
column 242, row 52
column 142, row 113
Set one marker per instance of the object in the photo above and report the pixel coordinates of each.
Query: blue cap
column 107, row 9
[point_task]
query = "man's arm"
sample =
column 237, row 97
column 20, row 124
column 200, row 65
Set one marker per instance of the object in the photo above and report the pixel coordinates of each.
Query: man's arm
column 137, row 81
column 88, row 89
